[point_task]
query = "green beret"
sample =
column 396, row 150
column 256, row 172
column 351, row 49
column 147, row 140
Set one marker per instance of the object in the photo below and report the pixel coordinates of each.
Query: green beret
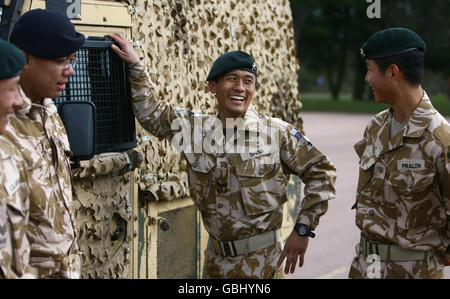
column 392, row 42
column 234, row 60
column 12, row 60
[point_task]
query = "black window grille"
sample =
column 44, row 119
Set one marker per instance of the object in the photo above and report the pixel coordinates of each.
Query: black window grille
column 101, row 77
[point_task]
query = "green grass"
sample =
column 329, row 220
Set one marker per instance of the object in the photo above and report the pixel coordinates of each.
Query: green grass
column 324, row 103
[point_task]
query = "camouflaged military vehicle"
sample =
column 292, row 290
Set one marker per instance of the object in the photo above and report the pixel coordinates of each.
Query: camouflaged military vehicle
column 134, row 215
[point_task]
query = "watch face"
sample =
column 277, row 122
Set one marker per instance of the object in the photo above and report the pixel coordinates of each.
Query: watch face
column 302, row 231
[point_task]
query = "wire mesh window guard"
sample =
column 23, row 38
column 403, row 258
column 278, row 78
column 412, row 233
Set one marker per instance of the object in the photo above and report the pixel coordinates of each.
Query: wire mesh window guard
column 102, row 78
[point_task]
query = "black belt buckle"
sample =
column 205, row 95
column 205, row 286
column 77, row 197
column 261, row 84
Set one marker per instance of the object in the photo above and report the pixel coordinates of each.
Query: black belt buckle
column 369, row 247
column 222, row 188
column 228, row 249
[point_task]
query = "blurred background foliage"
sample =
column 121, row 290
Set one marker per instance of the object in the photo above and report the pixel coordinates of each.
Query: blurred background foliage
column 329, row 34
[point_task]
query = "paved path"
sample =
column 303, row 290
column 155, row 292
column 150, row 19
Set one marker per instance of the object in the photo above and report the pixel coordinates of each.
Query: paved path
column 330, row 254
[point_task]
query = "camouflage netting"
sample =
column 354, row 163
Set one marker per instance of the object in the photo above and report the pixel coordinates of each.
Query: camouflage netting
column 179, row 40
column 103, row 189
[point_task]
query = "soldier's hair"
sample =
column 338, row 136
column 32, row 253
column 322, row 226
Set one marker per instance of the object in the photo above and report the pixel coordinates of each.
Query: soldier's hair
column 411, row 64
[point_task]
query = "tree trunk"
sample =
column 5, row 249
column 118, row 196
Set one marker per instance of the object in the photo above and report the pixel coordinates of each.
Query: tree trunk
column 448, row 88
column 359, row 81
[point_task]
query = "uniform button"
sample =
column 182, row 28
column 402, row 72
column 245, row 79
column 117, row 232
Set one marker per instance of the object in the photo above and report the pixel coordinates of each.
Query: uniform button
column 371, row 212
column 195, row 164
column 220, row 205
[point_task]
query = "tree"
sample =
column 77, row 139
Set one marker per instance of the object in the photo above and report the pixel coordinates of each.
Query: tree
column 330, row 33
column 324, row 37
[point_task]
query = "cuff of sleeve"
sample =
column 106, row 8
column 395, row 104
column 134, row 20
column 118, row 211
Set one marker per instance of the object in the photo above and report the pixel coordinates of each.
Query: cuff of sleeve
column 136, row 69
column 306, row 219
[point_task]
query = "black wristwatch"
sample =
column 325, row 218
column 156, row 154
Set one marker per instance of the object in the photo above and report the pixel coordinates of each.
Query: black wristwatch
column 304, row 230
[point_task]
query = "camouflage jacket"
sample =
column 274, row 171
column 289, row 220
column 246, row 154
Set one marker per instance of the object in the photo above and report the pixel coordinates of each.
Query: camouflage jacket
column 14, row 213
column 239, row 191
column 39, row 133
column 403, row 193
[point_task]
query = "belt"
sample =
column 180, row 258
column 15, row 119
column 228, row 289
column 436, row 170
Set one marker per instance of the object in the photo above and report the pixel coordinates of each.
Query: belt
column 244, row 246
column 391, row 252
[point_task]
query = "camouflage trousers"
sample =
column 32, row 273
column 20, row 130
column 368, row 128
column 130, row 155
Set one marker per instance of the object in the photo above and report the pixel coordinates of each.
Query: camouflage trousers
column 369, row 267
column 258, row 264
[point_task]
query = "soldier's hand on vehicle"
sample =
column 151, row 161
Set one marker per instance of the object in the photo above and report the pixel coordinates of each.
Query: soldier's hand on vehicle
column 125, row 50
column 295, row 246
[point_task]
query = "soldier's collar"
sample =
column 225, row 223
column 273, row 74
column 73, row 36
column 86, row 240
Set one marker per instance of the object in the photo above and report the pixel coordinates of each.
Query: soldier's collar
column 47, row 105
column 251, row 119
column 421, row 118
column 26, row 106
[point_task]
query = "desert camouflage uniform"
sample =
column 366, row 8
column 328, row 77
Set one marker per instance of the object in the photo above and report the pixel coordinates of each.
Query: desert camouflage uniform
column 39, row 133
column 14, row 213
column 403, row 193
column 240, row 195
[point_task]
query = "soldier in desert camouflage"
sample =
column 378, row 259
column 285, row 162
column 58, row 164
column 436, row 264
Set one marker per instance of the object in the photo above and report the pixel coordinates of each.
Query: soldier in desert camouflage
column 239, row 193
column 14, row 189
column 403, row 193
column 49, row 41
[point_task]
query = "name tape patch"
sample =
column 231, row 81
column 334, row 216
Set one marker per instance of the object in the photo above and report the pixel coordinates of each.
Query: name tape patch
column 13, row 179
column 403, row 165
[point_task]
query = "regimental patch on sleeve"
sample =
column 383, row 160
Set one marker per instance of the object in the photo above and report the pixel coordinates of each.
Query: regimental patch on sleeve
column 298, row 135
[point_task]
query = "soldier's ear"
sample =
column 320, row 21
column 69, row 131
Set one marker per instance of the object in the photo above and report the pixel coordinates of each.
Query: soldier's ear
column 393, row 72
column 212, row 86
column 28, row 58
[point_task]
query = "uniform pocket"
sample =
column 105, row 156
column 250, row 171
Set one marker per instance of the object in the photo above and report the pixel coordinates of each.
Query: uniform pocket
column 200, row 177
column 418, row 199
column 200, row 162
column 411, row 182
column 365, row 176
column 262, row 183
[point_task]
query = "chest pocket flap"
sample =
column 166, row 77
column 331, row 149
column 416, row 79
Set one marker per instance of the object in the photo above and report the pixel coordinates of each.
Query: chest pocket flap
column 262, row 182
column 200, row 162
column 257, row 166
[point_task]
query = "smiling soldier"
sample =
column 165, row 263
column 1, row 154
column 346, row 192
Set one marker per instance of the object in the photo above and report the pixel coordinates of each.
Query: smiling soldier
column 240, row 194
column 403, row 193
column 49, row 42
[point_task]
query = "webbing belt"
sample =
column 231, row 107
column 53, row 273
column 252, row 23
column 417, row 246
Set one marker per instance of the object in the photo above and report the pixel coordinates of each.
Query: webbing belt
column 390, row 252
column 244, row 246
